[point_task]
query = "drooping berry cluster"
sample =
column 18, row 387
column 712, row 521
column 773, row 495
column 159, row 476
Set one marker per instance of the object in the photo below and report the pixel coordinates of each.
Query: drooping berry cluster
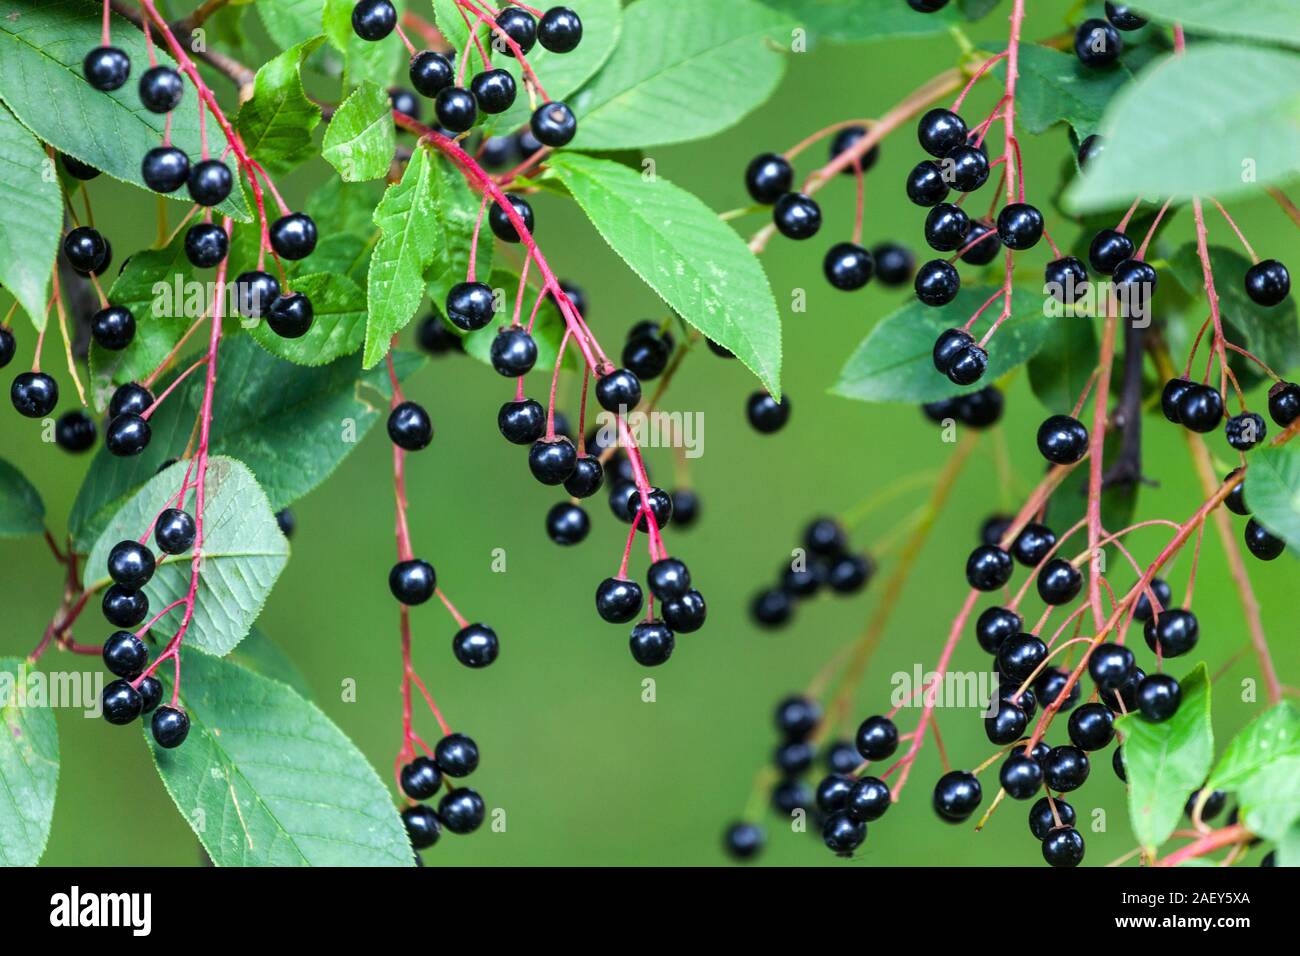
column 824, row 561
column 460, row 810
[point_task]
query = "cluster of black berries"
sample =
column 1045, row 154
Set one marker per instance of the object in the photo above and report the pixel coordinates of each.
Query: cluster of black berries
column 681, row 606
column 414, row 581
column 848, row 266
column 461, row 810
column 1200, row 407
column 979, row 409
column 131, row 565
column 846, row 799
column 1121, row 687
column 825, row 561
column 165, row 169
column 1097, row 42
column 492, row 91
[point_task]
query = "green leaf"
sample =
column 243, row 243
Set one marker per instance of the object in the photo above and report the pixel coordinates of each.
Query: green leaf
column 41, row 49
column 243, row 553
column 454, row 28
column 21, row 510
column 29, row 768
column 1270, row 21
column 548, row 328
column 1167, row 761
column 1273, row 490
column 564, row 73
column 363, row 61
column 277, row 123
column 1055, row 87
column 1191, row 107
column 266, row 779
column 1270, row 799
column 154, row 285
column 31, row 218
column 361, row 139
column 1060, row 370
column 291, row 424
column 259, row 654
column 339, row 326
column 1273, row 735
column 679, row 247
column 407, row 219
column 673, row 56
column 857, row 20
column 1272, row 333
column 1288, row 847
column 291, row 21
column 457, row 210
column 895, row 362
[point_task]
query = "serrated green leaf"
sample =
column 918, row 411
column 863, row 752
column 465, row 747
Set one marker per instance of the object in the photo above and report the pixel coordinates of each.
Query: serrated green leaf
column 291, row 424
column 266, row 779
column 153, row 285
column 1166, row 761
column 1273, row 490
column 42, row 45
column 564, row 73
column 1270, row 800
column 339, row 326
column 31, row 218
column 1271, row 21
column 407, row 220
column 457, row 209
column 1190, row 106
column 1055, row 87
column 361, row 140
column 29, row 769
column 277, row 122
column 1271, row 332
column 291, row 21
column 454, row 26
column 674, row 55
column 259, row 654
column 243, row 553
column 1271, row 736
column 1059, row 371
column 679, row 247
column 21, row 510
column 858, row 20
column 895, row 362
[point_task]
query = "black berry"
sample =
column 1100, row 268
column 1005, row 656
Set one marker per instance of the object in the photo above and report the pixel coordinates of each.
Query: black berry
column 554, row 124
column 373, row 19
column 161, row 89
column 106, row 68
column 1062, row 440
column 210, row 182
column 165, row 169
column 412, row 581
column 475, row 645
column 34, row 394
column 768, row 177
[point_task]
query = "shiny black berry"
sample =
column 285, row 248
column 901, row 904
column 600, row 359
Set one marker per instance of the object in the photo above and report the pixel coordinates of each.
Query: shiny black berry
column 254, row 293
column 206, row 245
column 125, row 654
column 988, row 568
column 431, row 73
column 1020, row 225
column 1063, row 847
column 85, row 249
column 161, row 89
column 946, row 226
column 1245, row 431
column 1065, row 768
column 797, row 216
column 290, row 315
column 1091, row 727
column 410, row 427
column 1111, row 665
column 294, row 236
column 174, row 533
column 1021, row 776
column 457, row 109
column 210, row 182
column 124, row 607
column 75, row 431
column 522, row 422
column 940, row 131
column 520, row 26
column 1033, row 544
column 552, row 460
column 894, row 264
column 559, row 30
column 877, row 738
column 1123, row 17
column 1268, row 282
column 567, row 524
column 618, row 600
column 513, row 352
column 412, row 581
column 373, row 19
column 957, row 795
column 1261, row 542
column 1283, row 402
column 1059, row 582
column 500, row 223
column 128, row 435
column 937, row 282
column 121, row 703
column 470, row 305
column 766, row 414
column 848, row 266
column 652, row 643
column 554, row 124
column 685, row 614
column 494, row 91
column 768, row 177
column 1200, row 408
column 1097, row 43
column 106, row 68
column 165, row 169
column 1062, row 440
column 1020, row 656
column 34, row 394
column 926, row 185
column 1108, row 249
column 421, row 778
column 995, row 625
column 422, row 826
column 796, row 717
column 169, row 726
column 1158, row 697
column 475, row 645
column 618, row 391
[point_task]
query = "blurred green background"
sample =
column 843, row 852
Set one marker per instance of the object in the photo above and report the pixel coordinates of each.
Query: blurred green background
column 587, row 773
